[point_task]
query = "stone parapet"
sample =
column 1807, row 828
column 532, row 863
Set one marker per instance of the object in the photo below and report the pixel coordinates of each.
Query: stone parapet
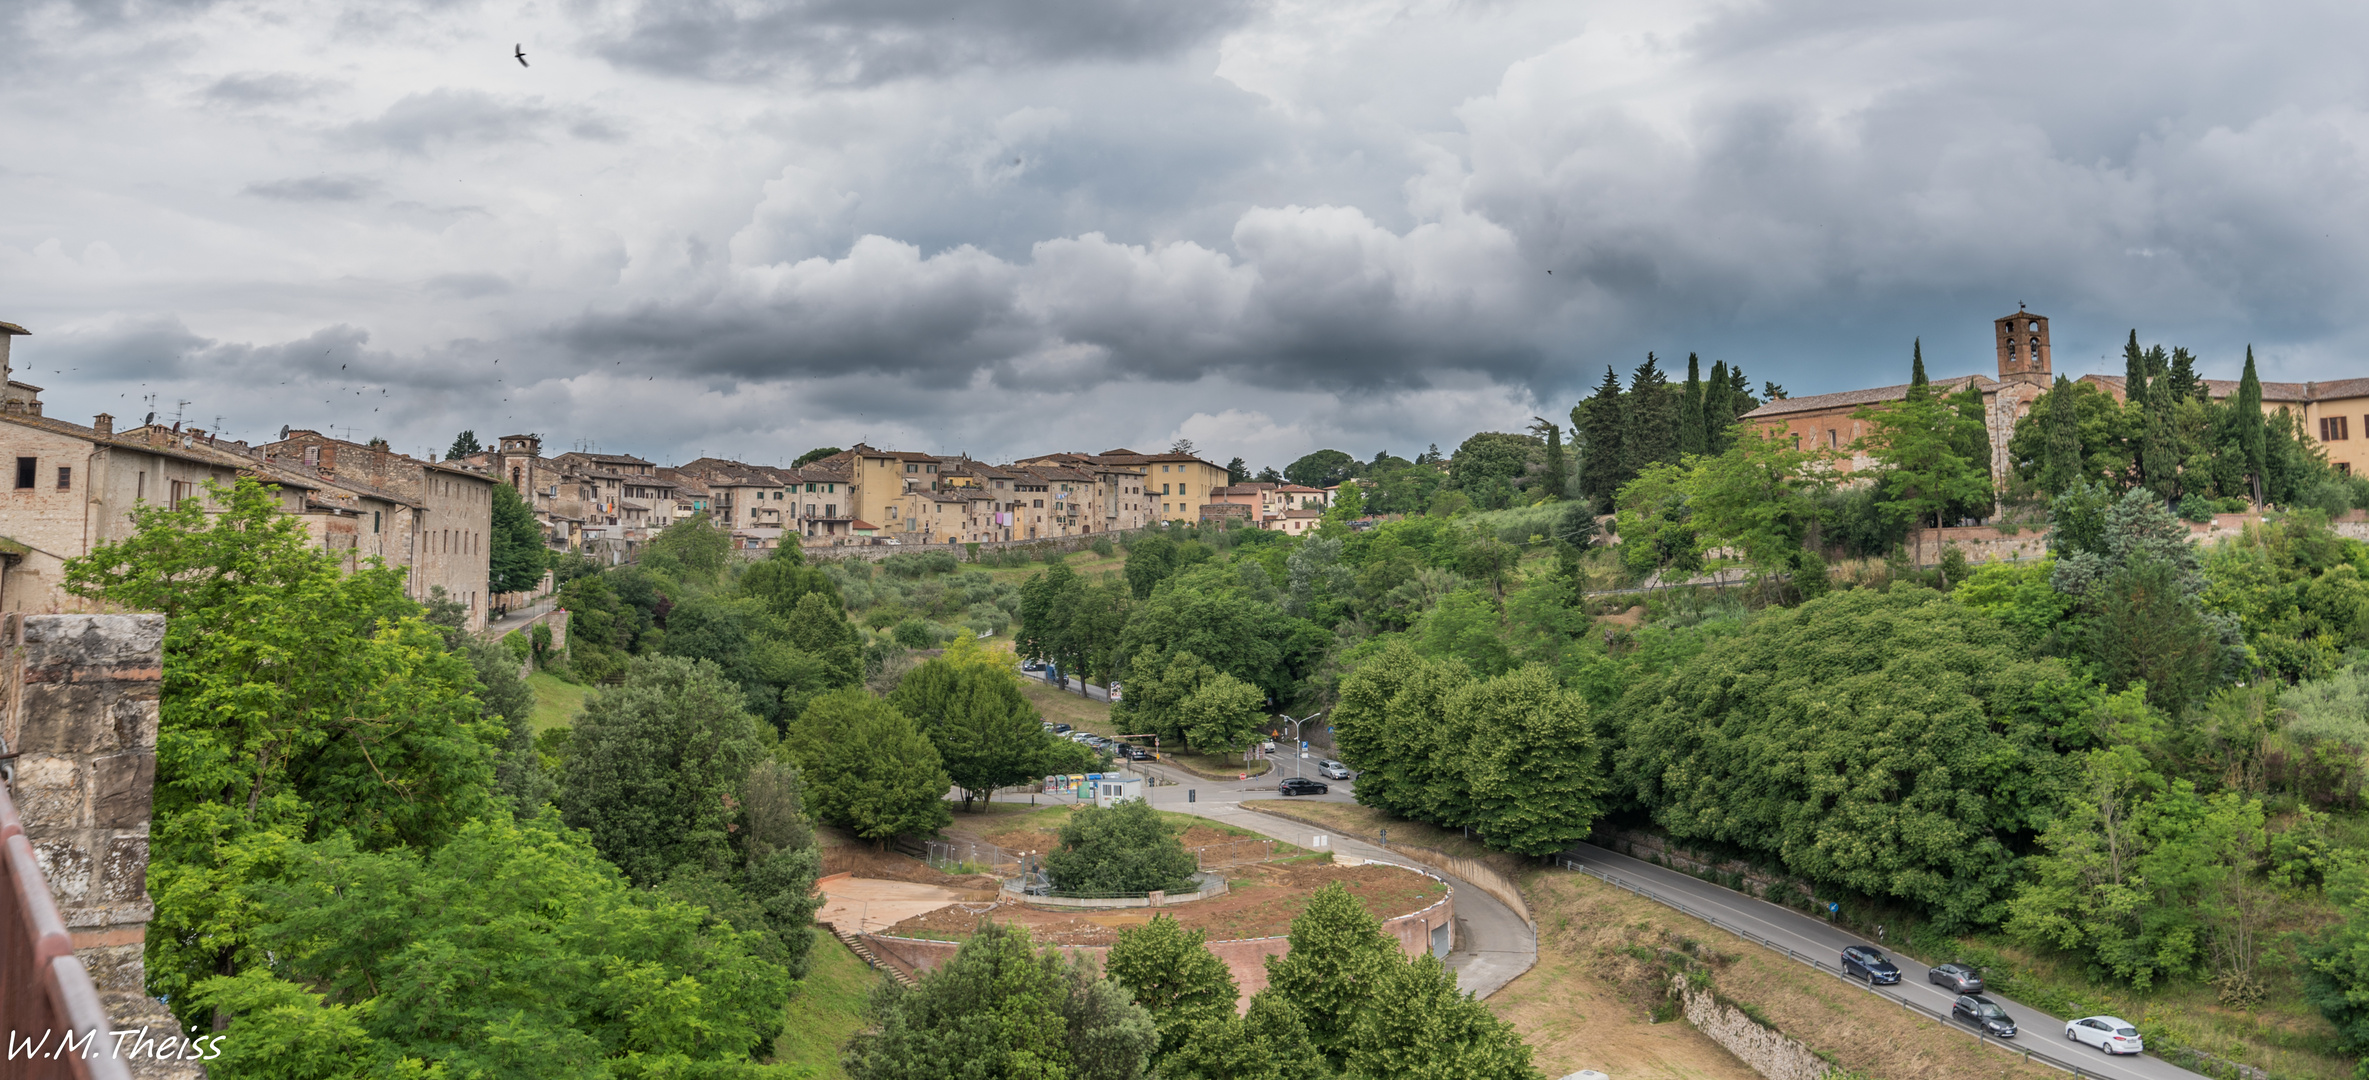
column 78, row 708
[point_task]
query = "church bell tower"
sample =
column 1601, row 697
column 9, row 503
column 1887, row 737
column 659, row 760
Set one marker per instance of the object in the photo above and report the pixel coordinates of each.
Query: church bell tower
column 2023, row 348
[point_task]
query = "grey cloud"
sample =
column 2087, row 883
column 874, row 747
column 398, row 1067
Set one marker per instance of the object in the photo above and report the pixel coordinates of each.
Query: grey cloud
column 442, row 117
column 314, row 189
column 864, row 42
column 255, row 88
column 468, row 286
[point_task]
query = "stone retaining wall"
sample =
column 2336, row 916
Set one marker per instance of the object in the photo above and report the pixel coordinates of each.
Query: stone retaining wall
column 1769, row 1052
column 959, row 549
column 1211, row 885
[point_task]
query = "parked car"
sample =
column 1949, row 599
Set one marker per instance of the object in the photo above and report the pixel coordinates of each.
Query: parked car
column 2111, row 1034
column 1301, row 785
column 1032, row 665
column 1333, row 770
column 1960, row 978
column 1061, row 729
column 1983, row 1013
column 1137, row 753
column 1080, row 736
column 1868, row 962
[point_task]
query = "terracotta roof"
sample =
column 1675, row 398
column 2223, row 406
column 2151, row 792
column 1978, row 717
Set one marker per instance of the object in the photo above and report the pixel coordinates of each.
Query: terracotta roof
column 1853, row 398
column 12, row 328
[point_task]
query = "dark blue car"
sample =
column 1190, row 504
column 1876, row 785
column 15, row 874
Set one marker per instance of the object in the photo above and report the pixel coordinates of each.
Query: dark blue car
column 1868, row 962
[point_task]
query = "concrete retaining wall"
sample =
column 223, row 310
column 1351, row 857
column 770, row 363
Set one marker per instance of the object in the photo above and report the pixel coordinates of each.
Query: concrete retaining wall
column 1211, row 885
column 1769, row 1052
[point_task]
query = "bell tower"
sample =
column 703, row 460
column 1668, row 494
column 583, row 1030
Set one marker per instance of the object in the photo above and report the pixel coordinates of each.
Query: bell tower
column 2023, row 348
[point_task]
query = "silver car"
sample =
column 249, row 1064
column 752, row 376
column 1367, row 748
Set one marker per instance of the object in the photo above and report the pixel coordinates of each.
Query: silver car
column 1332, row 770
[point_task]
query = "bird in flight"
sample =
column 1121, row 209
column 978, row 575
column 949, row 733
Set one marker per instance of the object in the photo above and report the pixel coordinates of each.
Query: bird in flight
column 520, row 51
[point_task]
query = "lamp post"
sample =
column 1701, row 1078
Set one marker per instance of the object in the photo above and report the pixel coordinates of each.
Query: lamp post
column 1296, row 748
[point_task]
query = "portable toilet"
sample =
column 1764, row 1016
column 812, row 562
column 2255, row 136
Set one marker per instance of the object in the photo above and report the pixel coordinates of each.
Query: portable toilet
column 1111, row 789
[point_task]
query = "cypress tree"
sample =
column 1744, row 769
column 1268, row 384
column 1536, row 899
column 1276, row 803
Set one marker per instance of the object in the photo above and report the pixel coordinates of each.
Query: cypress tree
column 2159, row 450
column 1690, row 409
column 1596, row 427
column 1917, row 382
column 2250, row 433
column 2134, row 373
column 2062, row 466
column 1719, row 409
column 1555, row 481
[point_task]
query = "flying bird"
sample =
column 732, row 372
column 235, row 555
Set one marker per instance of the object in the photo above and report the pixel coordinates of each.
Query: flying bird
column 521, row 53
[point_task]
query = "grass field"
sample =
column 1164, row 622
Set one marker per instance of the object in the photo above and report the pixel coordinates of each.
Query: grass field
column 828, row 1008
column 556, row 701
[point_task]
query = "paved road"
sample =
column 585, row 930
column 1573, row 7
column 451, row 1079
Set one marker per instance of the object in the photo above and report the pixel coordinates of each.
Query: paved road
column 1493, row 945
column 1813, row 938
column 520, row 617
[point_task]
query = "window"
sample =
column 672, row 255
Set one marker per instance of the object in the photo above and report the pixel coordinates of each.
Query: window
column 1833, row 439
column 25, row 468
column 374, row 521
column 178, row 493
column 2332, row 429
column 140, row 487
column 65, row 478
column 912, row 468
column 2035, row 327
column 1163, row 490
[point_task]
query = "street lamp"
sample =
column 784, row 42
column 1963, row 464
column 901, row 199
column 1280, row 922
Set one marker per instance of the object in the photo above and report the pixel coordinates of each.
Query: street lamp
column 1296, row 747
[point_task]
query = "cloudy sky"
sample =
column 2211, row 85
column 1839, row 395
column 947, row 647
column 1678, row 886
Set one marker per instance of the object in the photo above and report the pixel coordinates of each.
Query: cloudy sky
column 1005, row 226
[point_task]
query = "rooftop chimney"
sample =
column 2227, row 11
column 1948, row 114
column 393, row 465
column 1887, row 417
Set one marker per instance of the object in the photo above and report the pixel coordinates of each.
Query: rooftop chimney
column 103, row 424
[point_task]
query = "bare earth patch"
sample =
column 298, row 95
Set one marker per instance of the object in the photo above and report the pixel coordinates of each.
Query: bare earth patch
column 1601, row 968
column 1261, row 902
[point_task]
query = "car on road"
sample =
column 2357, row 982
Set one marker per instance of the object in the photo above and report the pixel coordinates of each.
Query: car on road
column 1136, row 753
column 1868, row 962
column 2111, row 1034
column 1960, row 978
column 1332, row 770
column 1983, row 1013
column 1301, row 785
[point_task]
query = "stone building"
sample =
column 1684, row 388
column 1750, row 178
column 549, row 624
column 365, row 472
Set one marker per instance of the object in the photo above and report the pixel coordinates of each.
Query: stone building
column 1826, row 421
column 444, row 543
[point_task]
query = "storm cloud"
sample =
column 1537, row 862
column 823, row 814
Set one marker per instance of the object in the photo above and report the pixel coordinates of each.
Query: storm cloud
column 699, row 226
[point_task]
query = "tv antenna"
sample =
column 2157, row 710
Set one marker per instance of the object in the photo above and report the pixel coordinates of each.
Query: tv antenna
column 179, row 407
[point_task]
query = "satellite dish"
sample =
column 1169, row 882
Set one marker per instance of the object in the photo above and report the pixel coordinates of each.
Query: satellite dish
column 151, row 419
column 283, row 431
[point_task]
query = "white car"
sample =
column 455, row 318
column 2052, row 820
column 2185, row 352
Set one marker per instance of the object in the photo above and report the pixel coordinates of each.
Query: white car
column 2111, row 1034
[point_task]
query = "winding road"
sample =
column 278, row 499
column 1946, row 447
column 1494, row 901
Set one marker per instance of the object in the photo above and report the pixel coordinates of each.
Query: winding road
column 1809, row 938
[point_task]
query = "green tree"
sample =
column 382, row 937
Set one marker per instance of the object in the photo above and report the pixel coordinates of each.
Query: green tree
column 866, row 768
column 1420, row 1027
column 512, row 951
column 1690, row 409
column 969, row 705
column 1222, row 714
column 1491, row 456
column 1338, row 962
column 1321, row 468
column 515, row 545
column 1270, row 1042
column 1001, row 1010
column 376, row 732
column 1919, row 445
column 1237, row 472
column 1649, row 423
column 1122, row 849
column 694, row 544
column 2336, row 981
column 1898, row 744
column 653, row 766
column 1173, row 976
column 1760, row 497
column 463, row 445
column 814, row 455
column 1596, row 426
column 1554, row 476
column 1719, row 408
column 2252, row 438
column 1151, row 558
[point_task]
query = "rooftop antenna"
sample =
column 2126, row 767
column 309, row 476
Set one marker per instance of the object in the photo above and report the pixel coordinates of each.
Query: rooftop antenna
column 179, row 407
